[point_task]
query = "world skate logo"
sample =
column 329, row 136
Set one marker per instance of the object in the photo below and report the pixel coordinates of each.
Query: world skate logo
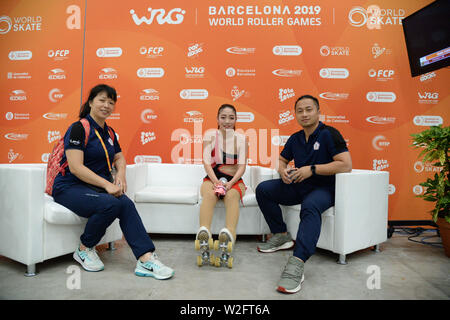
column 174, row 16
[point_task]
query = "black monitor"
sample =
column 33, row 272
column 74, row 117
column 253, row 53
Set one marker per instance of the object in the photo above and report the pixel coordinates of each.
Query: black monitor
column 427, row 37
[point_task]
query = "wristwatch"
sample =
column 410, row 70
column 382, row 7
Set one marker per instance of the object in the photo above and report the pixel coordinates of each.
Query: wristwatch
column 313, row 169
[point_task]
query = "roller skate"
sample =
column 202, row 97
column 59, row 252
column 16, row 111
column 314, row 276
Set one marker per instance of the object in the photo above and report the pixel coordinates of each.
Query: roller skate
column 204, row 243
column 225, row 245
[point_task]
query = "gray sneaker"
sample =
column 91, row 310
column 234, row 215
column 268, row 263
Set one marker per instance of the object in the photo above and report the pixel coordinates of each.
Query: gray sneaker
column 277, row 242
column 292, row 276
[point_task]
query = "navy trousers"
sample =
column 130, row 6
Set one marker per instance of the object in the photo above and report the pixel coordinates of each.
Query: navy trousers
column 102, row 209
column 314, row 200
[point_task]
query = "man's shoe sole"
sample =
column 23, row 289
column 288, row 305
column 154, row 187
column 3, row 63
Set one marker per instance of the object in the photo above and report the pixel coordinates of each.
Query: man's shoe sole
column 285, row 246
column 296, row 289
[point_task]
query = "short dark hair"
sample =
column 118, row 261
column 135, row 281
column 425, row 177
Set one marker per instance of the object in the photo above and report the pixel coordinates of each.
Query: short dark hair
column 110, row 93
column 307, row 96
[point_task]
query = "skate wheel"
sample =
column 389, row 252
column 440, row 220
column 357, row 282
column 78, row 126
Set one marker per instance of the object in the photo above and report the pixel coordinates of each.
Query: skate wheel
column 230, row 262
column 197, row 244
column 229, row 247
column 211, row 260
column 211, row 243
column 217, row 263
column 199, row 261
column 216, row 245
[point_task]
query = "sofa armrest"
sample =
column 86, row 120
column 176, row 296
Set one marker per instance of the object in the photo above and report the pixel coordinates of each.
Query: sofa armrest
column 136, row 178
column 260, row 174
column 22, row 212
column 361, row 210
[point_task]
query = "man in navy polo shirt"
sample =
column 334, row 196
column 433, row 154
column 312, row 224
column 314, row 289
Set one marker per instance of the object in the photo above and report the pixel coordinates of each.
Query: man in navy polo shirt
column 319, row 152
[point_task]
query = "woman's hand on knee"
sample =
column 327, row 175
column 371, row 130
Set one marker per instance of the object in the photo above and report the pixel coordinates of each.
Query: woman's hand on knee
column 114, row 190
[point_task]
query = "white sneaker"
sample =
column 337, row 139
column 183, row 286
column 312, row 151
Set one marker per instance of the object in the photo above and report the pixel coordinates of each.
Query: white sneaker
column 153, row 268
column 88, row 259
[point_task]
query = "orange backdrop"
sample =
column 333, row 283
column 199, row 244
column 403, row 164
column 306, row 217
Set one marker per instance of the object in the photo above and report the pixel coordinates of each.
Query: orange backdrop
column 174, row 63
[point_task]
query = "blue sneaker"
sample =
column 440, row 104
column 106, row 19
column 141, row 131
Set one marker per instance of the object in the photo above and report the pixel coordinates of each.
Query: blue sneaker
column 153, row 268
column 88, row 259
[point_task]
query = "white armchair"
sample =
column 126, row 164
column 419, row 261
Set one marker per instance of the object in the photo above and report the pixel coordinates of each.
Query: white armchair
column 359, row 218
column 34, row 228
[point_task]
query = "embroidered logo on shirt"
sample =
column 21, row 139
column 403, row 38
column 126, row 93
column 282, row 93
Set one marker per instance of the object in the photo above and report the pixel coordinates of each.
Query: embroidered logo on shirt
column 110, row 141
column 75, row 142
column 316, row 146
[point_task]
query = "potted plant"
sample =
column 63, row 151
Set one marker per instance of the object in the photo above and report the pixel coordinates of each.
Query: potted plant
column 435, row 143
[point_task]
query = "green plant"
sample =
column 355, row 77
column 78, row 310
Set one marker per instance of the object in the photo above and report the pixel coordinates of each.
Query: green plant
column 435, row 142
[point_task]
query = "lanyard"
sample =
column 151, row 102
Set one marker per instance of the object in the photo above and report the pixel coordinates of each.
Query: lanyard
column 104, row 148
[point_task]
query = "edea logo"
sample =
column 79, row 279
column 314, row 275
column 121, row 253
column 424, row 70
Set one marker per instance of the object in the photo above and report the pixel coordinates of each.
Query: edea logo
column 193, row 116
column 149, row 94
column 57, row 74
column 108, row 74
column 18, row 95
column 174, row 16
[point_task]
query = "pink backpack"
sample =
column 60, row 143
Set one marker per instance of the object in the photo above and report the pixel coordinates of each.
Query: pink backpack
column 54, row 165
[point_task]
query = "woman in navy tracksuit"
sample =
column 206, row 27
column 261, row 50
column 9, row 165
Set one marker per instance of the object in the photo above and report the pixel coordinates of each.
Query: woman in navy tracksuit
column 87, row 187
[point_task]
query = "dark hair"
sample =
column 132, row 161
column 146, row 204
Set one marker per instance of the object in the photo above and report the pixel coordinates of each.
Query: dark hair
column 110, row 93
column 226, row 105
column 307, row 96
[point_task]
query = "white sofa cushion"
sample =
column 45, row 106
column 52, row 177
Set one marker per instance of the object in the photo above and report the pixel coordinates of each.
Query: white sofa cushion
column 156, row 194
column 58, row 214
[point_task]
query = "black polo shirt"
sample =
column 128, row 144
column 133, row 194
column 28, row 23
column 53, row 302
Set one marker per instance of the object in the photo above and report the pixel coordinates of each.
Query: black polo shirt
column 323, row 144
column 94, row 154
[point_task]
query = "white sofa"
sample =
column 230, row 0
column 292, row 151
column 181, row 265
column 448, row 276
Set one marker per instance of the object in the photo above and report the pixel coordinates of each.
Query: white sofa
column 167, row 197
column 359, row 218
column 34, row 228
